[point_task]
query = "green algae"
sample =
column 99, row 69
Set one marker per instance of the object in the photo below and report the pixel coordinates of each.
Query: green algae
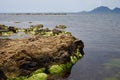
column 112, row 63
column 36, row 75
column 56, row 69
column 41, row 70
column 33, row 30
column 78, row 54
column 39, row 76
column 61, row 26
column 7, row 33
column 112, row 78
column 76, row 57
column 60, row 69
column 73, row 59
column 69, row 65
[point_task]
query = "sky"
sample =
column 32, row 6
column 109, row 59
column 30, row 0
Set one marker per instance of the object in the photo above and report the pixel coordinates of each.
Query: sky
column 54, row 5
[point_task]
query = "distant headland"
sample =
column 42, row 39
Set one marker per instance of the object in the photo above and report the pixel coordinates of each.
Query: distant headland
column 34, row 13
column 103, row 9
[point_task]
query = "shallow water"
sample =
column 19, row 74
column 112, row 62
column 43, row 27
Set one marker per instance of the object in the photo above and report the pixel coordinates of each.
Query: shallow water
column 99, row 32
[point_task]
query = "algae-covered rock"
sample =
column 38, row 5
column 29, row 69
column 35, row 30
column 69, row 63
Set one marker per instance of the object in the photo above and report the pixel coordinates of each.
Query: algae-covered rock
column 39, row 76
column 56, row 69
column 6, row 33
column 3, row 27
column 39, row 57
column 33, row 29
column 61, row 26
column 7, row 30
column 41, row 70
column 60, row 69
column 37, row 26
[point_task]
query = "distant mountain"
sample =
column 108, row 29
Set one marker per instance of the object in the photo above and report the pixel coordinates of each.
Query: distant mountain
column 116, row 10
column 103, row 9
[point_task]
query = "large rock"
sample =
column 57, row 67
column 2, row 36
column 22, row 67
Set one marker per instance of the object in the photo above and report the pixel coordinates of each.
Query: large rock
column 21, row 57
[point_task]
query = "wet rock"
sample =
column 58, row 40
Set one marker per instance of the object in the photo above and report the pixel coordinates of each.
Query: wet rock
column 47, row 53
column 45, row 31
column 13, row 29
column 7, row 30
column 33, row 29
column 3, row 27
column 36, row 27
column 56, row 31
column 21, row 57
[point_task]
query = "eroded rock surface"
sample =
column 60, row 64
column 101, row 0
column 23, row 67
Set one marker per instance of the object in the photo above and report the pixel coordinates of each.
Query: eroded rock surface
column 21, row 57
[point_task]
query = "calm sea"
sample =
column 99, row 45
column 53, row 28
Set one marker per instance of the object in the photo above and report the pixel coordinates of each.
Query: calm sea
column 100, row 34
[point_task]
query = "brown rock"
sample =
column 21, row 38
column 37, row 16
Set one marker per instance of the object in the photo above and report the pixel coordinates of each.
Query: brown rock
column 20, row 57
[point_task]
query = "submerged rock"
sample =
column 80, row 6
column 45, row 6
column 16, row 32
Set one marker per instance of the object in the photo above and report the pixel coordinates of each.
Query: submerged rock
column 39, row 57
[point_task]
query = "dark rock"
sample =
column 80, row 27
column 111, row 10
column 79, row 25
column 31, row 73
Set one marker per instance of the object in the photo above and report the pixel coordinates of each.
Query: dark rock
column 11, row 28
column 2, row 75
column 56, row 31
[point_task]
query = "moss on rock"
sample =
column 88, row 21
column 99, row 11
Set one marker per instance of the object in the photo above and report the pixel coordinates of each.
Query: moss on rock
column 39, row 76
column 41, row 70
column 73, row 59
column 18, row 78
column 61, row 26
column 56, row 69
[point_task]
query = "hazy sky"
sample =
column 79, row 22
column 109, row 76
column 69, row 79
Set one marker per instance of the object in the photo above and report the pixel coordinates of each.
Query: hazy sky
column 54, row 5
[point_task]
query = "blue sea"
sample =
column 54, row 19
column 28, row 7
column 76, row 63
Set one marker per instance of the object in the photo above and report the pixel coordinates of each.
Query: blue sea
column 99, row 32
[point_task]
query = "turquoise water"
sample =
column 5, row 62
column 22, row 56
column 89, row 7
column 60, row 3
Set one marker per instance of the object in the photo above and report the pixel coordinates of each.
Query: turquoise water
column 100, row 34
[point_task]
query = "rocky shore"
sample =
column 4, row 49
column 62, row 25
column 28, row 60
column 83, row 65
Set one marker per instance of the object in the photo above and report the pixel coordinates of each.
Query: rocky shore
column 46, row 55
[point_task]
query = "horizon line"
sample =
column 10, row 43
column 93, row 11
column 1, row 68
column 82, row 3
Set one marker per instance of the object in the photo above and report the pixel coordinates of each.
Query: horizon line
column 59, row 11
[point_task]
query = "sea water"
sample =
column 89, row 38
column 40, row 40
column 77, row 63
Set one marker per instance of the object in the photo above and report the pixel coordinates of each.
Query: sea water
column 99, row 32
